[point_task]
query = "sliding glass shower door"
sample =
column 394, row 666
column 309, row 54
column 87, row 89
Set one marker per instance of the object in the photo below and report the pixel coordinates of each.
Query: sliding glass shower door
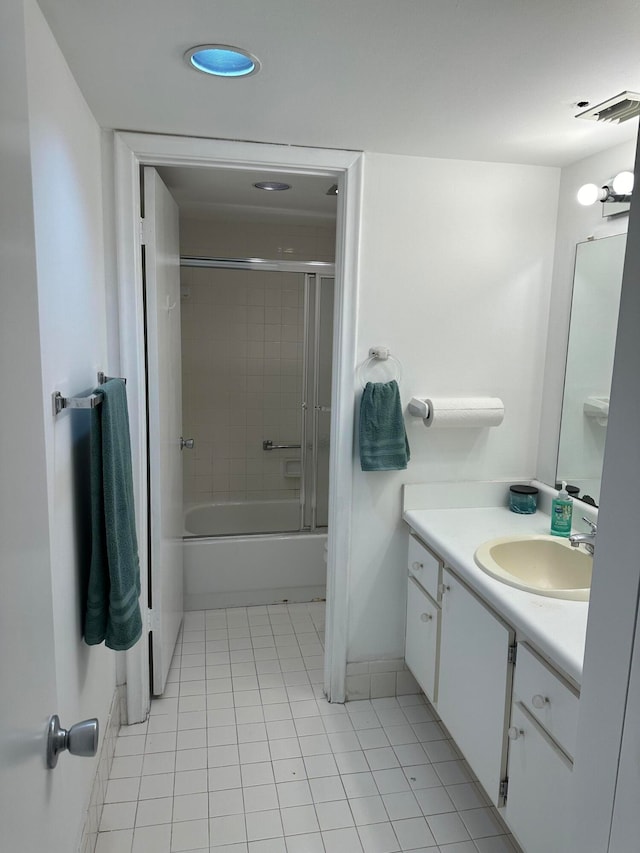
column 257, row 341
column 319, row 291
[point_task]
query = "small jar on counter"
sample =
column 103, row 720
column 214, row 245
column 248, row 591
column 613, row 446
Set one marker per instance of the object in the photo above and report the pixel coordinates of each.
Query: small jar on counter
column 523, row 499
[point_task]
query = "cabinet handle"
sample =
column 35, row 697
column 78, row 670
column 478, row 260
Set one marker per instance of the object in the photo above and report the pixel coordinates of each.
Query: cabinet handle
column 426, row 617
column 444, row 587
column 514, row 733
column 539, row 701
column 416, row 566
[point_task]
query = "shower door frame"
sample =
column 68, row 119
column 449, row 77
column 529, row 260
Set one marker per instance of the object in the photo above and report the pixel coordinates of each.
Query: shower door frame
column 310, row 269
column 131, row 152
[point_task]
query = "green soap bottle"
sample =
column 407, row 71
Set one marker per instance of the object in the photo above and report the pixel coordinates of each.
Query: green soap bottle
column 561, row 512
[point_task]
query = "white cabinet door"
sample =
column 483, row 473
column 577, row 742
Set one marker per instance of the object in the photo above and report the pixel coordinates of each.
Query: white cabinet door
column 474, row 688
column 162, row 288
column 539, row 795
column 421, row 650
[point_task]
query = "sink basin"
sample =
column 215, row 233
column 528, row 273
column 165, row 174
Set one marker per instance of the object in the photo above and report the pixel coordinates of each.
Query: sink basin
column 545, row 565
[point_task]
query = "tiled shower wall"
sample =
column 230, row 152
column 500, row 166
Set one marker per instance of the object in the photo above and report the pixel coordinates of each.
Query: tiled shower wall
column 242, row 350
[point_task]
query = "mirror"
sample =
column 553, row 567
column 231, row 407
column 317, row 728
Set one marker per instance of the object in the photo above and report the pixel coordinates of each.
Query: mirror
column 592, row 337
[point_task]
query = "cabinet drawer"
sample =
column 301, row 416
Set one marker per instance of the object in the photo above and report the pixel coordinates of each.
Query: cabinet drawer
column 548, row 697
column 424, row 566
column 422, row 638
column 539, row 790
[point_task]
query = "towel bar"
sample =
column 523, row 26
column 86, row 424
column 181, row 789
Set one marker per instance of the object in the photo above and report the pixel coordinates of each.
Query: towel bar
column 102, row 378
column 89, row 402
column 267, row 444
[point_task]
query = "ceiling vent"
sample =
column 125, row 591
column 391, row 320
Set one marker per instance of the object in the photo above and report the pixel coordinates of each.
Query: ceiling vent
column 624, row 106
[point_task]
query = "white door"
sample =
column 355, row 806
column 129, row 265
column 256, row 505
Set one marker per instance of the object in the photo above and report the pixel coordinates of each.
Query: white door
column 31, row 797
column 421, row 647
column 164, row 370
column 538, row 774
column 475, row 682
column 625, row 831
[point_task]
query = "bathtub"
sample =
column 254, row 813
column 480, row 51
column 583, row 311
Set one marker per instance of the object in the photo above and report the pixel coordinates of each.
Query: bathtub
column 241, row 518
column 232, row 560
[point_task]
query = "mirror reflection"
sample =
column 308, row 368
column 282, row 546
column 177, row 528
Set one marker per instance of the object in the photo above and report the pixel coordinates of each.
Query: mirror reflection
column 592, row 337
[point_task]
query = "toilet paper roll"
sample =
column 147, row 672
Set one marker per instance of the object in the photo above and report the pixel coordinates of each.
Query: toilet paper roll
column 457, row 412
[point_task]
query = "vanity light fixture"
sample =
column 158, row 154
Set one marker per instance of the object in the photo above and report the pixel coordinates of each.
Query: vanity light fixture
column 617, row 189
column 222, row 60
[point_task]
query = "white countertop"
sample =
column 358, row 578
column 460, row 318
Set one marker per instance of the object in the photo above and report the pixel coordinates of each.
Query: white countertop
column 555, row 627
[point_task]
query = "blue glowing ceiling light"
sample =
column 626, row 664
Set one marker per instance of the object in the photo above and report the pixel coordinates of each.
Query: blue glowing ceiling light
column 222, row 60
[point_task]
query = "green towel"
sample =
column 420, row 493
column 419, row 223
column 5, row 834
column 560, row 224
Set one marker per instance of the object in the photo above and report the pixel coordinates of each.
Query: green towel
column 113, row 609
column 383, row 438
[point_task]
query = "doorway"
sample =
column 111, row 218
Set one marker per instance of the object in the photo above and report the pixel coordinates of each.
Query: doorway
column 135, row 150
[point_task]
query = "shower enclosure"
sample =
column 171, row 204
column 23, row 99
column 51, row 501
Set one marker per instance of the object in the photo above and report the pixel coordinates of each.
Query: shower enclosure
column 257, row 340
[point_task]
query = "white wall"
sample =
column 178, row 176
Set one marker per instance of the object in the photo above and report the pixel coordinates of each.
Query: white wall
column 67, row 197
column 229, row 237
column 575, row 224
column 455, row 273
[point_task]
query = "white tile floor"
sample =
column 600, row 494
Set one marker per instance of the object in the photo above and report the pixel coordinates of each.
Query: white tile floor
column 242, row 754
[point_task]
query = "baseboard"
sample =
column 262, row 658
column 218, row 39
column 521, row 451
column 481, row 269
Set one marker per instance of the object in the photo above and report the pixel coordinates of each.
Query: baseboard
column 101, row 778
column 253, row 597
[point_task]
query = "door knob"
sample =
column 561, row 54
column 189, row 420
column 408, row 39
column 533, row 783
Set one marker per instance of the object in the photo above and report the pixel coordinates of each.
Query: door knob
column 80, row 739
column 539, row 701
column 186, row 442
column 514, row 733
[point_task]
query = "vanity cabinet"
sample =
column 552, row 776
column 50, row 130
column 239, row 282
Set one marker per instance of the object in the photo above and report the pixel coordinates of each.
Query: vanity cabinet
column 542, row 743
column 515, row 724
column 423, row 616
column 425, row 567
column 475, row 678
column 423, row 629
column 539, row 793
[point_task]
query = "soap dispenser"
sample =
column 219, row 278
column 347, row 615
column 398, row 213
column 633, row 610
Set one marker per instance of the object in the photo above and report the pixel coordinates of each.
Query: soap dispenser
column 561, row 512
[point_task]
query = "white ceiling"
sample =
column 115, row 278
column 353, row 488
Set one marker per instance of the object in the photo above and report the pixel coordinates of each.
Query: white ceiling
column 470, row 79
column 207, row 193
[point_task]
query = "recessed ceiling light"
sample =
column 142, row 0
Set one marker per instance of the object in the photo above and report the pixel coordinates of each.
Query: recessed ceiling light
column 222, row 60
column 272, row 186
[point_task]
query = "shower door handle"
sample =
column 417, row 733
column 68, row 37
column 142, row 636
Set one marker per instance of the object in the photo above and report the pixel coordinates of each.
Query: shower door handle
column 186, row 442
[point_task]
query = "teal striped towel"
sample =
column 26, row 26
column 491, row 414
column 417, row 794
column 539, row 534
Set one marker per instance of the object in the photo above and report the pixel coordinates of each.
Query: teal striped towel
column 383, row 438
column 113, row 609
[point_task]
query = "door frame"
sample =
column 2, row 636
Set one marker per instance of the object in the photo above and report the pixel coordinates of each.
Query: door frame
column 133, row 150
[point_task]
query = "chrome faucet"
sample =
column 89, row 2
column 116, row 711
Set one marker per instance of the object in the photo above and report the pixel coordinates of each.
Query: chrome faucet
column 586, row 539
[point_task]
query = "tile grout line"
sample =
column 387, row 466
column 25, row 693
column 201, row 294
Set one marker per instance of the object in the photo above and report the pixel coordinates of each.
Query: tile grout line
column 205, row 629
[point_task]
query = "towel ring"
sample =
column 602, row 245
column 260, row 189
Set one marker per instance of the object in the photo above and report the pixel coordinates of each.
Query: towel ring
column 376, row 355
